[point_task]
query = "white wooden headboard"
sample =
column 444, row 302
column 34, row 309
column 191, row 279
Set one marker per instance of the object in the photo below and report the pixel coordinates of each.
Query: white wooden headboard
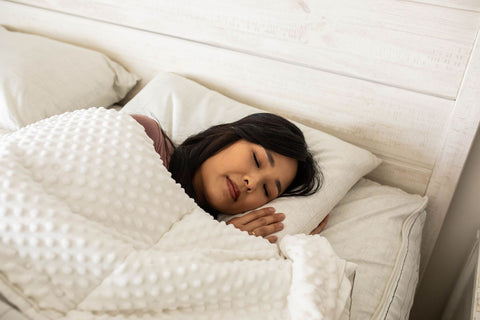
column 400, row 78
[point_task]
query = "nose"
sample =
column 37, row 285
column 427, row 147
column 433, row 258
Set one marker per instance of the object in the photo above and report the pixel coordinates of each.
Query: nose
column 250, row 183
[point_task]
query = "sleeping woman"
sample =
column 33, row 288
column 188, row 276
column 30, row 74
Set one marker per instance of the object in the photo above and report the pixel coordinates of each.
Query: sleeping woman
column 240, row 166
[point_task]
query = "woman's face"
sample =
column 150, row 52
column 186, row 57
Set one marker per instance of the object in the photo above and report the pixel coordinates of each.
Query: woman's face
column 242, row 177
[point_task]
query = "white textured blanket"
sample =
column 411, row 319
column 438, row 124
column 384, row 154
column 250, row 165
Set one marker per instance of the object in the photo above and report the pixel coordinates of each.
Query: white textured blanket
column 93, row 227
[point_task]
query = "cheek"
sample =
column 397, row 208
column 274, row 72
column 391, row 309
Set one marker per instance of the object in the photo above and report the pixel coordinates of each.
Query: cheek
column 254, row 201
column 211, row 189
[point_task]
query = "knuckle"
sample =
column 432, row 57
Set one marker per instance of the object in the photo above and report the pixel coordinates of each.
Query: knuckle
column 259, row 213
column 263, row 231
column 264, row 211
column 263, row 221
column 233, row 220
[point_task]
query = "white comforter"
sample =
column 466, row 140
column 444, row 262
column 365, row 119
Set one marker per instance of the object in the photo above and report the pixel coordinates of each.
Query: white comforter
column 93, row 227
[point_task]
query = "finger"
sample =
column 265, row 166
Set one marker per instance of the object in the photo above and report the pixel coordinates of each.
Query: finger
column 254, row 215
column 325, row 220
column 317, row 230
column 265, row 221
column 321, row 226
column 272, row 239
column 268, row 230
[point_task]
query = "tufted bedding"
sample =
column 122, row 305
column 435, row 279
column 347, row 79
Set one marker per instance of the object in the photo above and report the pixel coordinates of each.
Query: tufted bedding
column 93, row 227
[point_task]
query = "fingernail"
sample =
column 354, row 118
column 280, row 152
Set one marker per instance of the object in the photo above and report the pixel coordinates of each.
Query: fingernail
column 271, row 209
column 281, row 215
column 281, row 225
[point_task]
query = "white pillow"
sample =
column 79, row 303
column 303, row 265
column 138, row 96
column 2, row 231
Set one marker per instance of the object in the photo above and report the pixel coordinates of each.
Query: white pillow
column 184, row 107
column 379, row 228
column 40, row 77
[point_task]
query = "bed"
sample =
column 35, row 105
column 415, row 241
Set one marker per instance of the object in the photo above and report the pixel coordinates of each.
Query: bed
column 394, row 81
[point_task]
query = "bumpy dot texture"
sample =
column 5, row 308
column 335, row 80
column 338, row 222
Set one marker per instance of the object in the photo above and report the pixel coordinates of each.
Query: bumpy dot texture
column 92, row 226
column 315, row 293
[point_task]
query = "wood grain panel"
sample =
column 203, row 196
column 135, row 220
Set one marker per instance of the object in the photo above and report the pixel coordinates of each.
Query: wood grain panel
column 458, row 139
column 473, row 5
column 405, row 44
column 393, row 123
column 407, row 177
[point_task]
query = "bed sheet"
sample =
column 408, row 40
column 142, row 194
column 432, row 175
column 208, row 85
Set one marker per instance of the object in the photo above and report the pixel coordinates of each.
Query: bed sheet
column 8, row 312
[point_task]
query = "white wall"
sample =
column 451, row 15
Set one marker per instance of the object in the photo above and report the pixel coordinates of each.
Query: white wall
column 454, row 243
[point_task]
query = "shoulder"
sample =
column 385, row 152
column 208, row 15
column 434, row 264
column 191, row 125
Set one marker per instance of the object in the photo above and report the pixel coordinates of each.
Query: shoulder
column 148, row 123
column 161, row 142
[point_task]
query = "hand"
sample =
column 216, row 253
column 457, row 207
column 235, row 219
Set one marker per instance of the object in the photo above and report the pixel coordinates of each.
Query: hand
column 260, row 223
column 321, row 226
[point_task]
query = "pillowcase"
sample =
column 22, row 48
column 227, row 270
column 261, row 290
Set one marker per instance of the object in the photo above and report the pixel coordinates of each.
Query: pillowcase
column 41, row 77
column 379, row 228
column 184, row 107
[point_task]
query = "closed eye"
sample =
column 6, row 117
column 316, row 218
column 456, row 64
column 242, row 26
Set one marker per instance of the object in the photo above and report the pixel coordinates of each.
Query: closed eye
column 256, row 160
column 265, row 189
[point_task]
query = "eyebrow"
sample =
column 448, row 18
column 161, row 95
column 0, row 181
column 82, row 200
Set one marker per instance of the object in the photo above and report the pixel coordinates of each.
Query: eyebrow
column 272, row 163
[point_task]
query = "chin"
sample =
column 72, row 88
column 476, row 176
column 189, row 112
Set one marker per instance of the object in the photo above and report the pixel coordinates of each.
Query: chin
column 228, row 211
column 224, row 211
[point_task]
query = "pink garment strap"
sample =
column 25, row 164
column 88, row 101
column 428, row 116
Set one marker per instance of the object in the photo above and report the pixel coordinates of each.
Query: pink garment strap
column 161, row 143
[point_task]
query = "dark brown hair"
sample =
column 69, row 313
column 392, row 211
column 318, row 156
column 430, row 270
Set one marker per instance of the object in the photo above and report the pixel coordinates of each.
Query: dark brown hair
column 268, row 130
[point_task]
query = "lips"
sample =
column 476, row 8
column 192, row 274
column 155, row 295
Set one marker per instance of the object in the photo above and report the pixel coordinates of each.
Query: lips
column 233, row 189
